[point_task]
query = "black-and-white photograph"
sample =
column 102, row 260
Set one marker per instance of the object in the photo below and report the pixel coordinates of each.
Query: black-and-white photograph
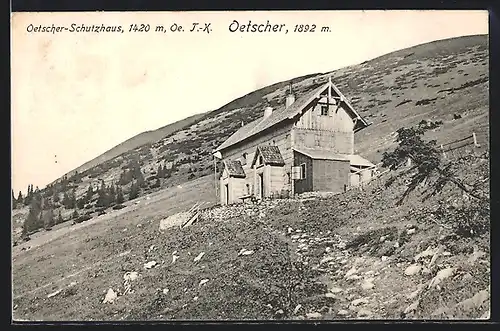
column 250, row 165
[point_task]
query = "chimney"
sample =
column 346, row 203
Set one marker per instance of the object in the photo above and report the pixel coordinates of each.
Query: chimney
column 290, row 98
column 268, row 111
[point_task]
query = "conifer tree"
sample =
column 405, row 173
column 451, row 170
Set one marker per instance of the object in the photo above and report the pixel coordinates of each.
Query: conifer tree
column 111, row 195
column 55, row 197
column 119, row 195
column 159, row 172
column 134, row 191
column 73, row 198
column 103, row 199
column 20, row 198
column 14, row 201
column 48, row 219
column 66, row 200
column 60, row 219
column 89, row 194
column 32, row 221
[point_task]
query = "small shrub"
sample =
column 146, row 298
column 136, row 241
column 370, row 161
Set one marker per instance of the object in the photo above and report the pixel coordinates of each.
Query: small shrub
column 117, row 207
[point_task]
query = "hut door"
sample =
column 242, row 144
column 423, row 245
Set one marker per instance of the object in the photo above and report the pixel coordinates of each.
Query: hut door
column 261, row 185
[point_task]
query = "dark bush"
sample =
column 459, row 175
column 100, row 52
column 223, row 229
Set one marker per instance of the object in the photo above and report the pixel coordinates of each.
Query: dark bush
column 117, row 207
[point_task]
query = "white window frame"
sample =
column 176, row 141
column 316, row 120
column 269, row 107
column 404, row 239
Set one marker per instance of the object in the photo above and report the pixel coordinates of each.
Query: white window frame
column 303, row 175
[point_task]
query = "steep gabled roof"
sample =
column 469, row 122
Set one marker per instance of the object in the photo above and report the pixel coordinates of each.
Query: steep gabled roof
column 296, row 109
column 270, row 155
column 234, row 169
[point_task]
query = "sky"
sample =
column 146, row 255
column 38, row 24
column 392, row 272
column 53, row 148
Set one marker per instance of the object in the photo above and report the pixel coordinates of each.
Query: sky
column 75, row 95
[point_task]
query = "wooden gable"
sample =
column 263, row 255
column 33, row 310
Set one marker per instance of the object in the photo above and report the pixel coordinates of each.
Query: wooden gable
column 268, row 155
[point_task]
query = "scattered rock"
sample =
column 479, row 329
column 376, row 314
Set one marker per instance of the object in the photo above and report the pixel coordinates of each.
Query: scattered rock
column 428, row 252
column 359, row 301
column 411, row 231
column 412, row 307
column 354, row 277
column 174, row 257
column 245, row 251
column 175, row 220
column 467, row 277
column 165, row 291
column 279, row 312
column 53, row 294
column 440, row 276
column 475, row 302
column 202, row 282
column 413, row 269
column 343, row 312
column 327, row 259
column 415, row 293
column 335, row 290
column 131, row 276
column 313, row 315
column 150, row 264
column 297, row 308
column 330, row 295
column 364, row 313
column 475, row 256
column 350, row 272
column 198, row 258
column 110, row 296
column 367, row 284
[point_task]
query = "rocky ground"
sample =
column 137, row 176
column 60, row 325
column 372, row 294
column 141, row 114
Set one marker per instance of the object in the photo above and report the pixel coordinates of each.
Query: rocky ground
column 356, row 255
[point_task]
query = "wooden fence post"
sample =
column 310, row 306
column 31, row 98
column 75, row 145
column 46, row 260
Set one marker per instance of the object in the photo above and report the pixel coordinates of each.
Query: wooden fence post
column 475, row 139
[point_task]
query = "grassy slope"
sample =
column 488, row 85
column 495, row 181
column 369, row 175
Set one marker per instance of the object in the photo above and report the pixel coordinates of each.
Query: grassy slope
column 259, row 285
column 138, row 141
column 367, row 85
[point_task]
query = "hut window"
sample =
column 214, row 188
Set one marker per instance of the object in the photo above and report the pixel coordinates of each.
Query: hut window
column 324, row 110
column 261, row 161
column 288, row 178
column 248, row 189
column 303, row 171
column 244, row 159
